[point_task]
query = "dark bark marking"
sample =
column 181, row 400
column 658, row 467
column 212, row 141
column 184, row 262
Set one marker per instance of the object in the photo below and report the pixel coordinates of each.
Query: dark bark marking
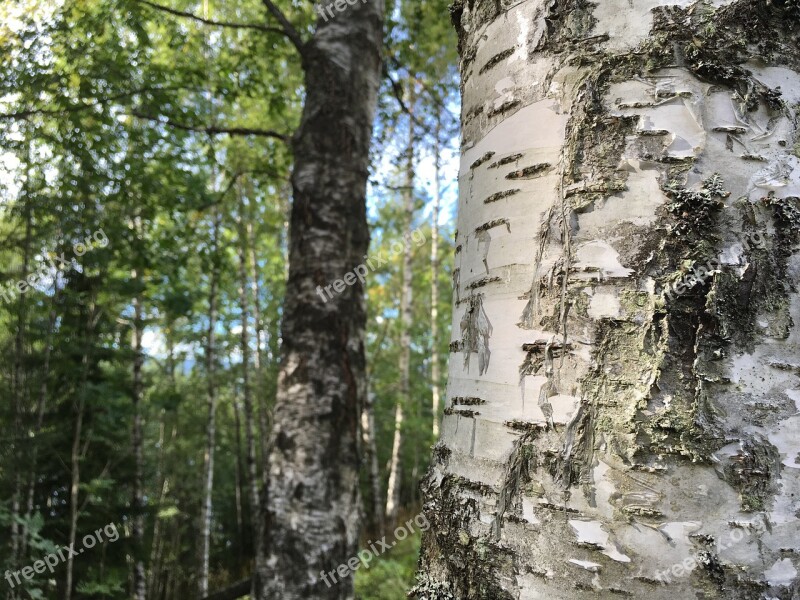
column 496, row 60
column 531, row 172
column 481, row 160
column 500, row 195
column 507, row 160
column 504, row 108
column 469, row 414
column 493, row 223
column 466, row 401
column 483, row 282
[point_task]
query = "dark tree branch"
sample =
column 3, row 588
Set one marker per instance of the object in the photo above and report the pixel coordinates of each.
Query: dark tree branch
column 394, row 188
column 288, row 29
column 221, row 195
column 398, row 94
column 212, row 129
column 24, row 114
column 204, row 21
column 434, row 96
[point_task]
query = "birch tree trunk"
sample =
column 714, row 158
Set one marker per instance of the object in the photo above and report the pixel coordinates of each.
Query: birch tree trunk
column 75, row 453
column 622, row 414
column 206, row 510
column 162, row 485
column 261, row 405
column 368, row 430
column 437, row 198
column 159, row 543
column 312, row 509
column 237, row 423
column 253, row 476
column 19, row 392
column 137, row 505
column 41, row 407
column 404, row 402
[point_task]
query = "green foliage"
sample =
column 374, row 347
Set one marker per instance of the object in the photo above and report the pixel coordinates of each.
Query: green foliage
column 391, row 575
column 103, row 111
column 107, row 588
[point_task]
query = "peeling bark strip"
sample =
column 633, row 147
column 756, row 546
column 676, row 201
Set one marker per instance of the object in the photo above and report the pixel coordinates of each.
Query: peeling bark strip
column 500, row 195
column 497, row 59
column 530, row 172
column 466, row 401
column 507, row 160
column 644, row 140
column 312, row 501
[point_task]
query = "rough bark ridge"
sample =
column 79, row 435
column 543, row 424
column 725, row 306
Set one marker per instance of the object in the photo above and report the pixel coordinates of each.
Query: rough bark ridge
column 312, row 508
column 625, row 418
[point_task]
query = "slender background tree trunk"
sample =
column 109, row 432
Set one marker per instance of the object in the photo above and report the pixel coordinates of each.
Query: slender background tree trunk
column 375, row 506
column 75, row 454
column 41, row 407
column 206, row 510
column 435, row 375
column 404, row 401
column 19, row 391
column 250, row 419
column 261, row 400
column 139, row 572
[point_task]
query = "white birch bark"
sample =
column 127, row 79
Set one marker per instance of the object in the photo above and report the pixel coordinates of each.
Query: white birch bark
column 606, row 434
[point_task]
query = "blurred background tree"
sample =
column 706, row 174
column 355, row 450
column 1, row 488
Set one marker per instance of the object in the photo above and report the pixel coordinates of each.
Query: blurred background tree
column 165, row 126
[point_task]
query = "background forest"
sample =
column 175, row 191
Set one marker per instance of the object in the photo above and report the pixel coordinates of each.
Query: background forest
column 144, row 190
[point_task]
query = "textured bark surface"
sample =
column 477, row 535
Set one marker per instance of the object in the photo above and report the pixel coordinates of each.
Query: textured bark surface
column 312, row 506
column 625, row 305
